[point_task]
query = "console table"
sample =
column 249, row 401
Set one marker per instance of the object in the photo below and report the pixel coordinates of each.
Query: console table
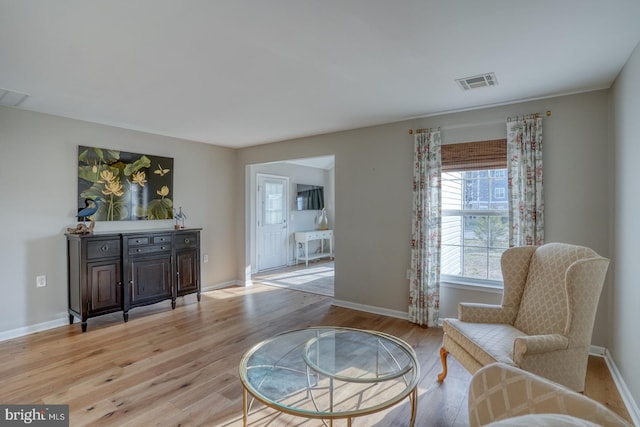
column 304, row 237
column 110, row 272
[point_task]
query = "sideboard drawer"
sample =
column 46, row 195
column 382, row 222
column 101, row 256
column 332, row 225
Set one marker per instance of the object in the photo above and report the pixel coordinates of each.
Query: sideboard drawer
column 103, row 248
column 149, row 249
column 137, row 241
column 186, row 240
column 161, row 239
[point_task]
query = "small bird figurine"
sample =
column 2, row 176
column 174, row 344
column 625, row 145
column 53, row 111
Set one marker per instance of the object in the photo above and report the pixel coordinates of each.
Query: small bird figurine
column 179, row 216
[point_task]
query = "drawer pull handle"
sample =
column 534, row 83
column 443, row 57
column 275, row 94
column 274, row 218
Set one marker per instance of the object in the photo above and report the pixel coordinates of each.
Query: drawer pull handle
column 186, row 240
column 139, row 250
column 104, row 248
column 162, row 248
column 137, row 241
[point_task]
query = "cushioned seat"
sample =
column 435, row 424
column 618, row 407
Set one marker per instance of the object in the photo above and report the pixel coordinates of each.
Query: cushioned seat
column 545, row 321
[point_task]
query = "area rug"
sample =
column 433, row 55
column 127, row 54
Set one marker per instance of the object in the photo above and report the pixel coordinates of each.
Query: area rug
column 317, row 278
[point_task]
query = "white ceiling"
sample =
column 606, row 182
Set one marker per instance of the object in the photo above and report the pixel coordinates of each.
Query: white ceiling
column 244, row 72
column 323, row 162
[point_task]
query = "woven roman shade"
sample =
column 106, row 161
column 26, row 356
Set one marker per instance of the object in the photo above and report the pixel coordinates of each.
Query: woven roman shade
column 476, row 155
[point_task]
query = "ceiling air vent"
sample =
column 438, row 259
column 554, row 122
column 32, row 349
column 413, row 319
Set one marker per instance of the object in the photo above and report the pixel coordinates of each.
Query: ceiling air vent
column 482, row 80
column 10, row 98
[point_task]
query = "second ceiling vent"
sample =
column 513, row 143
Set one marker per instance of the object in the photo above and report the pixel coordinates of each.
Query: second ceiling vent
column 482, row 80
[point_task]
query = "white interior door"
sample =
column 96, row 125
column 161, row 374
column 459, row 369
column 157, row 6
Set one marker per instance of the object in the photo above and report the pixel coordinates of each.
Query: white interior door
column 272, row 230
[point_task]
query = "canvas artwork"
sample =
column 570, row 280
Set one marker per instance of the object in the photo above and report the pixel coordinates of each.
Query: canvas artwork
column 120, row 186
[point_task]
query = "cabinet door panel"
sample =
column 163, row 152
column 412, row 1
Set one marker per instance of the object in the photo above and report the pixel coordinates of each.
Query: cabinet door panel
column 104, row 286
column 150, row 279
column 188, row 274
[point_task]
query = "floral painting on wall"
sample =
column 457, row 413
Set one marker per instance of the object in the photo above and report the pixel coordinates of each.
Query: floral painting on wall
column 124, row 186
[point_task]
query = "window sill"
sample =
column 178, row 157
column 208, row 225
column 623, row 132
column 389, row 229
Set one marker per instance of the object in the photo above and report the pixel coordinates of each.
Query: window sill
column 470, row 284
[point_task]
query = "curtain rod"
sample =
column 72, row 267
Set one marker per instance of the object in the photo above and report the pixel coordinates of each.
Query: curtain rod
column 465, row 125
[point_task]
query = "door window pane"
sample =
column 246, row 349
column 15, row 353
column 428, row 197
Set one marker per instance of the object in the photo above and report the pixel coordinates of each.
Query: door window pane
column 273, row 203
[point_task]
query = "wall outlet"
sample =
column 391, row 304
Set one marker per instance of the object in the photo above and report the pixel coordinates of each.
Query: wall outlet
column 41, row 281
column 205, row 258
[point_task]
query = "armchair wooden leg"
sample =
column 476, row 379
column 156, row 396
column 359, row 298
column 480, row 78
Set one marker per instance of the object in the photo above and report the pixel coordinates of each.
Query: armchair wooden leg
column 443, row 359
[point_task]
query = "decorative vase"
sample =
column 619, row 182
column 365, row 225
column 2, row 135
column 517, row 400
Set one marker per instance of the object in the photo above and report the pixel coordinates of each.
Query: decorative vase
column 323, row 222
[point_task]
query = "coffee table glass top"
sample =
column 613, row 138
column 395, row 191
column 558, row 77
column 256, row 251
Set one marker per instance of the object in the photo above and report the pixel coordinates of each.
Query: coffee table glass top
column 330, row 372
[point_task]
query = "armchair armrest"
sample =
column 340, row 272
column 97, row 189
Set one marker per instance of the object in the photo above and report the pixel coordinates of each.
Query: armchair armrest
column 485, row 313
column 500, row 392
column 534, row 344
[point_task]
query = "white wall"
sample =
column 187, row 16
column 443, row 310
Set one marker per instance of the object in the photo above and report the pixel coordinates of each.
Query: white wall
column 373, row 176
column 298, row 220
column 38, row 192
column 624, row 344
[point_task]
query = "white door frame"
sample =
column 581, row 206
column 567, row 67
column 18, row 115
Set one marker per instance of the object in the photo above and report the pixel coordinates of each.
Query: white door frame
column 282, row 258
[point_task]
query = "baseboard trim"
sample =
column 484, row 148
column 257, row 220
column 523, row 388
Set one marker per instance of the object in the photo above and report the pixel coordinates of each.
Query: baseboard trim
column 222, row 285
column 61, row 320
column 371, row 309
column 596, row 350
column 625, row 393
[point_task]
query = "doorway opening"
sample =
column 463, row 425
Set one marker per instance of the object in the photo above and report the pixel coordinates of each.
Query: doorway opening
column 275, row 214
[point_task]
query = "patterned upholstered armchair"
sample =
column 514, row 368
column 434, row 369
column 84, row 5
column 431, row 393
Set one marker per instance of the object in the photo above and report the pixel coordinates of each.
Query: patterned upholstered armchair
column 545, row 321
column 502, row 395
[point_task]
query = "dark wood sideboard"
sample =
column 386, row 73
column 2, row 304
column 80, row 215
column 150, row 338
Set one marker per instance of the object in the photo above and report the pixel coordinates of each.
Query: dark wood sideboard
column 117, row 271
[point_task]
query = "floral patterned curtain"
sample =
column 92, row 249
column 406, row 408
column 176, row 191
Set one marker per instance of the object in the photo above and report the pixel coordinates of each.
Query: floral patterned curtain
column 424, row 283
column 524, row 165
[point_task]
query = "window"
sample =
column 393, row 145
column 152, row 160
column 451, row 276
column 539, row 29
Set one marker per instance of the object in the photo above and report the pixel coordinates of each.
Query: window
column 475, row 216
column 273, row 203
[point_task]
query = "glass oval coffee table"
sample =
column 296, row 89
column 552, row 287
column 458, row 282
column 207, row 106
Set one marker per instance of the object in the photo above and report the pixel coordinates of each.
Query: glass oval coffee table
column 330, row 373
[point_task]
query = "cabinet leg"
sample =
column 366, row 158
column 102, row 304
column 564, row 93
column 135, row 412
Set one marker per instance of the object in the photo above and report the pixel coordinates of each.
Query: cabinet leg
column 84, row 326
column 125, row 315
column 173, row 304
column 198, row 296
column 71, row 319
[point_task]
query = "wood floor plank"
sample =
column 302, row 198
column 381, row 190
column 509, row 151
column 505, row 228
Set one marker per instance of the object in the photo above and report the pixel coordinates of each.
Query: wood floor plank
column 180, row 367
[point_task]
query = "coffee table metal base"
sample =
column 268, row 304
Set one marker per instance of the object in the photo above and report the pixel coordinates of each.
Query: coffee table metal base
column 413, row 397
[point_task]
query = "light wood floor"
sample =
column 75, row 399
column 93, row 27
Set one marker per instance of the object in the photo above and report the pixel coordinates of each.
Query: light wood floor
column 180, row 367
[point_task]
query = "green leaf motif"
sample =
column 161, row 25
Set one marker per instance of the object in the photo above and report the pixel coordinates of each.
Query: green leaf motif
column 142, row 162
column 118, row 212
column 82, row 157
column 96, row 155
column 93, row 192
column 113, row 156
column 87, row 173
column 160, row 209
